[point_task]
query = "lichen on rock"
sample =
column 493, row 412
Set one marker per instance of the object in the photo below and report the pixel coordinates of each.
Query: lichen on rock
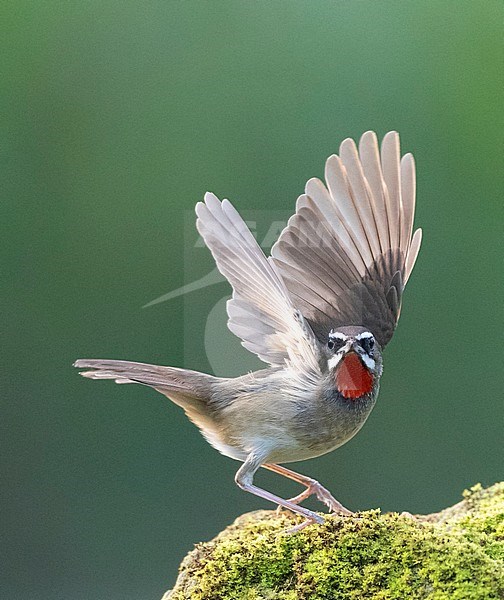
column 457, row 554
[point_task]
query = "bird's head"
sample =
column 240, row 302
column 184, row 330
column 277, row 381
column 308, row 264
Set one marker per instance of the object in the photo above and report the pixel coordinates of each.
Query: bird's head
column 353, row 360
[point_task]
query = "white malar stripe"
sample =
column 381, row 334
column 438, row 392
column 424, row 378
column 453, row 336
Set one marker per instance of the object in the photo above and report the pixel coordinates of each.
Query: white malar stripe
column 368, row 361
column 334, row 360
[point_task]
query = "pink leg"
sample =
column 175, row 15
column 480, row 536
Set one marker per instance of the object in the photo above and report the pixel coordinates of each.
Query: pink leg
column 244, row 478
column 312, row 487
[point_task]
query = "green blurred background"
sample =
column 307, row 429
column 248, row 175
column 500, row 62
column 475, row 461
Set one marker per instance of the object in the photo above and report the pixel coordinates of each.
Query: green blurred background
column 116, row 117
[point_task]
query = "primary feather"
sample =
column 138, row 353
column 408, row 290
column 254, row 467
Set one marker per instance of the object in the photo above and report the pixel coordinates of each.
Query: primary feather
column 261, row 311
column 347, row 253
column 343, row 259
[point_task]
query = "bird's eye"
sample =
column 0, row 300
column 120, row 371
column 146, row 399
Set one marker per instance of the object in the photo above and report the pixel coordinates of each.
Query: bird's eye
column 335, row 343
column 367, row 344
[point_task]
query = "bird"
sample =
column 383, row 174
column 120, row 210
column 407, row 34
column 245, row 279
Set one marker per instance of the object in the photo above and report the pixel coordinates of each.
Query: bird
column 318, row 312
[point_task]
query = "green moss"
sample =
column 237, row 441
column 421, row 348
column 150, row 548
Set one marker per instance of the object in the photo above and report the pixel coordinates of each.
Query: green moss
column 454, row 555
column 479, row 518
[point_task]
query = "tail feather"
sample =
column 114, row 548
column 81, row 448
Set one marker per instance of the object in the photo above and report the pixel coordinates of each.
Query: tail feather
column 189, row 389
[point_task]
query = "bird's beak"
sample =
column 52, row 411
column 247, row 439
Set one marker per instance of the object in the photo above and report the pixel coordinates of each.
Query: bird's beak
column 353, row 346
column 350, row 347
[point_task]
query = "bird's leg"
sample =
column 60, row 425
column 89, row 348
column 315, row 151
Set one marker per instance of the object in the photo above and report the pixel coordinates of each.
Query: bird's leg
column 313, row 487
column 244, row 479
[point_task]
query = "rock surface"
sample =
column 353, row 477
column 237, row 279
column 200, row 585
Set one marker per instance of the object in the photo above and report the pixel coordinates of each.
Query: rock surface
column 457, row 554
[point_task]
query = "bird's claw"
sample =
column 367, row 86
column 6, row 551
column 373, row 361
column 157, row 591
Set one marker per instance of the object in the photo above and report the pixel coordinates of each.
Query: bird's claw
column 323, row 495
column 329, row 500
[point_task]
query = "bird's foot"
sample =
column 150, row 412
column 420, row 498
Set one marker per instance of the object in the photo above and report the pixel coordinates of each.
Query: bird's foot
column 322, row 494
column 329, row 500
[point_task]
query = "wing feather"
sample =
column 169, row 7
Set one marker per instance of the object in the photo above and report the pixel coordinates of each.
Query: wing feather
column 390, row 157
column 408, row 189
column 340, row 218
column 359, row 196
column 261, row 311
column 369, row 154
column 413, row 253
column 347, row 253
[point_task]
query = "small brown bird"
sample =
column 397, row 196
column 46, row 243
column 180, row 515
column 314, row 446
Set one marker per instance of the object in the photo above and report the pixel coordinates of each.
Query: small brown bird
column 319, row 311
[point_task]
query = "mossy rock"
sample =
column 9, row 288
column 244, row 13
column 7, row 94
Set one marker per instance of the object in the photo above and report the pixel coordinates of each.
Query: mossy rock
column 457, row 554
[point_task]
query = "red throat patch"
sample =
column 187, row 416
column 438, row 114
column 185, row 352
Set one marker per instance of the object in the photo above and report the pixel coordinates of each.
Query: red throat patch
column 353, row 380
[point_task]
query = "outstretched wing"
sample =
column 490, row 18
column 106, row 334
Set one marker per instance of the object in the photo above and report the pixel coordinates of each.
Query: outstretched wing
column 260, row 312
column 347, row 253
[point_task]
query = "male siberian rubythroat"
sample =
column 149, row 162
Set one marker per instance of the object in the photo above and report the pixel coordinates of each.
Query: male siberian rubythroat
column 318, row 311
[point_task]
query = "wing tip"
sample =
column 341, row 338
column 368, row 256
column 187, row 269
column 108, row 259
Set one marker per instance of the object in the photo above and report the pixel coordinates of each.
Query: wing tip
column 210, row 197
column 200, row 206
column 227, row 205
column 211, row 205
column 408, row 160
column 391, row 135
column 368, row 137
column 88, row 374
column 348, row 144
column 313, row 182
